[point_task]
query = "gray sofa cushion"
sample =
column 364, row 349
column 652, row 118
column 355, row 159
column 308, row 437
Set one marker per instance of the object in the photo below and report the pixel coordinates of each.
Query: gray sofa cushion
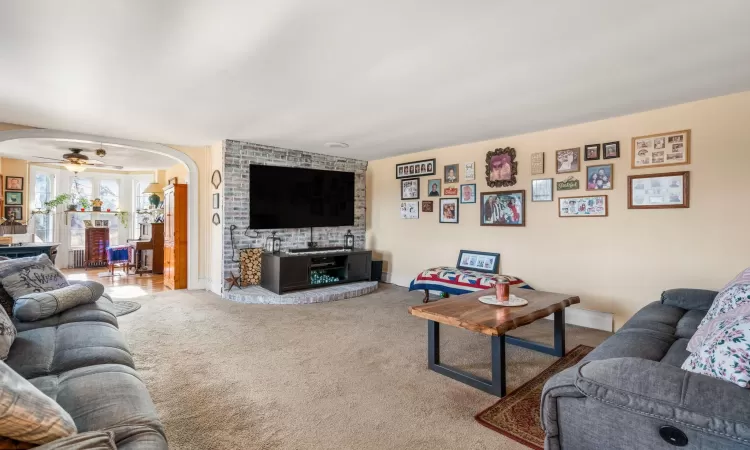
column 639, row 343
column 656, row 317
column 53, row 350
column 93, row 440
column 688, row 325
column 700, row 299
column 677, row 353
column 101, row 310
column 108, row 397
column 33, row 274
column 40, row 305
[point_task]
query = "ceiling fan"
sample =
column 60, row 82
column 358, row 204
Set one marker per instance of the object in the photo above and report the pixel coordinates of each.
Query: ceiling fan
column 76, row 161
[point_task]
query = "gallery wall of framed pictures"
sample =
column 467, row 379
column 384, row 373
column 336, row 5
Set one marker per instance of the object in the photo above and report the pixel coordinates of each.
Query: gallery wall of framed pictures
column 588, row 167
column 13, row 198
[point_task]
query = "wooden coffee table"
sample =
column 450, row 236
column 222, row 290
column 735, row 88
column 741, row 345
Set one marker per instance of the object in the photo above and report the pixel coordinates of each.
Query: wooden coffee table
column 466, row 311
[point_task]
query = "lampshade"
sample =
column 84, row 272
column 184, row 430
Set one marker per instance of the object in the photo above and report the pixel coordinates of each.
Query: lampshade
column 153, row 188
column 75, row 168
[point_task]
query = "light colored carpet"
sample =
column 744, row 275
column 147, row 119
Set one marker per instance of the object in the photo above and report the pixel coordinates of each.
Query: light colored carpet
column 341, row 375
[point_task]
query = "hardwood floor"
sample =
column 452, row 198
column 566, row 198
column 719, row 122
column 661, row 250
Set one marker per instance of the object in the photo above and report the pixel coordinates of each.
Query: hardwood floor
column 120, row 286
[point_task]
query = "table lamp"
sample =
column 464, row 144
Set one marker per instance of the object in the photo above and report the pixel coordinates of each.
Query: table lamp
column 154, row 189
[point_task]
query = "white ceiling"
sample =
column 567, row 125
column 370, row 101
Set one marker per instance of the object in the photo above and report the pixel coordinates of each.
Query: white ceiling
column 387, row 77
column 129, row 158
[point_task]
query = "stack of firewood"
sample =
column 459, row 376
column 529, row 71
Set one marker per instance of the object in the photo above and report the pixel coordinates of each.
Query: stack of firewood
column 250, row 266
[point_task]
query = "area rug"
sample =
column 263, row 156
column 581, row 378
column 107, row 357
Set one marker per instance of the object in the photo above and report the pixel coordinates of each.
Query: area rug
column 517, row 414
column 123, row 307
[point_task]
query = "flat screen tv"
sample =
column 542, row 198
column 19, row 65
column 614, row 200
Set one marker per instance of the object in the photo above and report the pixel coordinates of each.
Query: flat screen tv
column 290, row 197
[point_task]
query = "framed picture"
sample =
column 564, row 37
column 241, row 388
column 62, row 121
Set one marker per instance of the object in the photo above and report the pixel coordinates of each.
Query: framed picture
column 599, row 178
column 13, row 198
column 410, row 210
column 14, row 183
column 468, row 193
column 426, row 205
column 433, row 187
column 665, row 149
column 659, row 190
column 448, row 210
column 611, row 150
column 172, row 181
column 592, row 152
column 541, row 190
column 450, row 191
column 537, row 163
column 88, row 223
column 586, row 206
column 568, row 160
column 478, row 261
column 501, row 167
column 410, row 189
column 450, row 173
column 216, row 200
column 101, row 223
column 469, row 171
column 415, row 169
column 15, row 211
column 502, row 208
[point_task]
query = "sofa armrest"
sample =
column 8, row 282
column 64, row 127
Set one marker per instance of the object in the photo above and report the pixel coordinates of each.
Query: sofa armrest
column 560, row 385
column 665, row 392
column 684, row 298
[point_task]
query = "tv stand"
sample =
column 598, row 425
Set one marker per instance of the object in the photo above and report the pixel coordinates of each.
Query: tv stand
column 287, row 272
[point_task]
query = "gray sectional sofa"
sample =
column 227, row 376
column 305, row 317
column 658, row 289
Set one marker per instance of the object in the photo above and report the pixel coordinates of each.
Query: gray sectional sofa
column 630, row 392
column 79, row 358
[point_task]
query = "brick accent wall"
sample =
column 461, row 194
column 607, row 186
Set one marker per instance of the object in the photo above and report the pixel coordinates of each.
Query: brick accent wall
column 238, row 155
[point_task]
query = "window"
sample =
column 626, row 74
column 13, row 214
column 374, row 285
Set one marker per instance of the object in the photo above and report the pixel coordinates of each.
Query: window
column 109, row 194
column 44, row 191
column 82, row 188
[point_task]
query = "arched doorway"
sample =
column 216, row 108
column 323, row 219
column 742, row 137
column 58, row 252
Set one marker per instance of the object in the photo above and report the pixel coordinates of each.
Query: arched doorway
column 193, row 275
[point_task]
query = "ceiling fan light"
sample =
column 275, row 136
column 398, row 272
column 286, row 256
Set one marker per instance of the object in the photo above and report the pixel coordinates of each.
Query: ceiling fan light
column 75, row 168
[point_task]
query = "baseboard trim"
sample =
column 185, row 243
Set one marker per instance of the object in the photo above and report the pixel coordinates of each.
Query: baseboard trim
column 587, row 318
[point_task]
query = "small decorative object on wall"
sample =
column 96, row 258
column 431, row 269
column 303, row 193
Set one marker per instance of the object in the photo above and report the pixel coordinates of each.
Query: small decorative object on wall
column 599, row 178
column 665, row 149
column 480, row 261
column 501, row 167
column 173, row 180
column 426, row 205
column 415, row 169
column 215, row 219
column 349, row 240
column 659, row 190
column 612, row 150
column 502, row 208
column 433, row 187
column 450, row 173
column 592, row 152
column 541, row 190
column 15, row 212
column 410, row 210
column 451, row 190
column 410, row 189
column 14, row 183
column 448, row 210
column 537, row 163
column 568, row 160
column 586, row 206
column 96, row 204
column 568, row 184
column 216, row 179
column 468, row 193
column 216, row 200
column 13, row 198
column 101, row 223
column 469, row 171
column 88, row 223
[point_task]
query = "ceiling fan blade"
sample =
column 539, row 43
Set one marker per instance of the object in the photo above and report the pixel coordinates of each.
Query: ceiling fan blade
column 97, row 166
column 53, row 159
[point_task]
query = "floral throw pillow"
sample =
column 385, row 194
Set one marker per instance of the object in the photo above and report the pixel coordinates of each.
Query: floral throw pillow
column 727, row 302
column 725, row 353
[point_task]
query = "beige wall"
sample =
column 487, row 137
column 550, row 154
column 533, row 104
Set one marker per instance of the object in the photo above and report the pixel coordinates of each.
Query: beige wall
column 178, row 170
column 616, row 264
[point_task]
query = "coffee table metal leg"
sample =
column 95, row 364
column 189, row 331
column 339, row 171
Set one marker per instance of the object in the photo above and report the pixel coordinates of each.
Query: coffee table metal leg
column 495, row 386
column 559, row 347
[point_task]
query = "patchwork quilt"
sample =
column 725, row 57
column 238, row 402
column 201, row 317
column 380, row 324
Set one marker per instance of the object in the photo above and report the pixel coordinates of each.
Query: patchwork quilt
column 460, row 281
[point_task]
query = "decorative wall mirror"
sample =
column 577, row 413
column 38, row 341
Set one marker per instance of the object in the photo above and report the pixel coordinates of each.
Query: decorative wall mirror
column 216, row 179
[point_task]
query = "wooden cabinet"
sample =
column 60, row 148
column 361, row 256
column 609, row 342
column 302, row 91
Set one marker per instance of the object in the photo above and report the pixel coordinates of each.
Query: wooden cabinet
column 175, row 236
column 358, row 266
column 282, row 273
column 97, row 241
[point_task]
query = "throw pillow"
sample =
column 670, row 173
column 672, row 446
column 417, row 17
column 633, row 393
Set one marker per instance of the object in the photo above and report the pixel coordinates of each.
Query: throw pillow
column 27, row 414
column 728, row 299
column 725, row 353
column 33, row 274
column 6, row 301
column 40, row 305
column 7, row 334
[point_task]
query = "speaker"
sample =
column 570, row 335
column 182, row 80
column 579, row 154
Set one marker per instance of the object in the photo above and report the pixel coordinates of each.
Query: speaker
column 376, row 270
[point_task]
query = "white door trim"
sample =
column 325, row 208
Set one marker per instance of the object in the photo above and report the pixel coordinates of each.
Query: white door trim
column 194, row 281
